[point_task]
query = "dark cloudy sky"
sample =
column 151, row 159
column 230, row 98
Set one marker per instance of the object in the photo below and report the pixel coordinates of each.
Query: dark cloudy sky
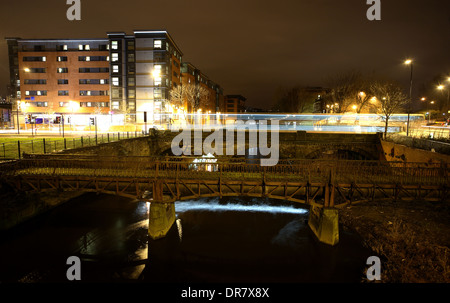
column 251, row 47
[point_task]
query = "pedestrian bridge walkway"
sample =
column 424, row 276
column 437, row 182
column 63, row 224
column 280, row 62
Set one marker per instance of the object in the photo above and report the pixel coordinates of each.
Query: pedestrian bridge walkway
column 328, row 183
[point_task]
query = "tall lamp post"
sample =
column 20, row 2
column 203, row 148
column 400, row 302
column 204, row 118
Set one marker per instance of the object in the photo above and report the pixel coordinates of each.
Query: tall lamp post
column 409, row 62
column 18, row 126
column 441, row 87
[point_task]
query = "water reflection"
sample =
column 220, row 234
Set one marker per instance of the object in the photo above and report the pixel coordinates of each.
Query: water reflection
column 214, row 240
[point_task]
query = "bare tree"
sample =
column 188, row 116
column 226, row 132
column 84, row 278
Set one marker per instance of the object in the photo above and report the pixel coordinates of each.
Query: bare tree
column 344, row 87
column 364, row 95
column 391, row 98
column 197, row 96
column 178, row 95
column 295, row 100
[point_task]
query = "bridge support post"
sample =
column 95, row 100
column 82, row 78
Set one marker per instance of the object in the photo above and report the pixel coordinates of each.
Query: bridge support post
column 162, row 213
column 323, row 221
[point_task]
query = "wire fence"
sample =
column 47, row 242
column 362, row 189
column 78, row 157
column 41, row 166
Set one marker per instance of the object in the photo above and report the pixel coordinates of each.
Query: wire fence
column 16, row 149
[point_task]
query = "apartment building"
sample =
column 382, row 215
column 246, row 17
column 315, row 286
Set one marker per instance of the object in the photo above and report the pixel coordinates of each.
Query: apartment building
column 121, row 78
column 54, row 77
column 145, row 66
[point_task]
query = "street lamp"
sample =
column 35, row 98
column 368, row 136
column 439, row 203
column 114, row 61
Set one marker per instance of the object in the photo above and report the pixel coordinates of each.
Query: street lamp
column 441, row 87
column 18, row 126
column 409, row 62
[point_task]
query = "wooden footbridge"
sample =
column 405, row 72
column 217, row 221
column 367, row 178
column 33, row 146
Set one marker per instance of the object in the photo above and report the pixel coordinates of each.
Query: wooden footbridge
column 328, row 183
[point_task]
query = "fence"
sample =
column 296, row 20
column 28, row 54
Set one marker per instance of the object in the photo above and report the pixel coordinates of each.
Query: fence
column 440, row 133
column 362, row 172
column 15, row 149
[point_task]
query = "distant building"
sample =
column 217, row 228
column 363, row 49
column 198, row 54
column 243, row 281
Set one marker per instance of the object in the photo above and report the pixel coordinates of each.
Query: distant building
column 234, row 104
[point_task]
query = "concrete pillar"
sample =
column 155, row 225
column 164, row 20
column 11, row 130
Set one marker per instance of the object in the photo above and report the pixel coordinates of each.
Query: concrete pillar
column 323, row 221
column 162, row 214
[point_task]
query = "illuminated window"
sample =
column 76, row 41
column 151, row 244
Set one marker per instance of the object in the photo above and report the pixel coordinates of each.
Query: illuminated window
column 80, row 47
column 114, row 44
column 157, row 81
column 157, row 44
column 87, row 47
column 115, row 69
column 157, row 94
column 88, row 58
column 115, row 81
column 114, row 57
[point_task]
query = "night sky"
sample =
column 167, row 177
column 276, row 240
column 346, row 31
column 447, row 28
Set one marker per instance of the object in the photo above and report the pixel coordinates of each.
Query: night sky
column 253, row 47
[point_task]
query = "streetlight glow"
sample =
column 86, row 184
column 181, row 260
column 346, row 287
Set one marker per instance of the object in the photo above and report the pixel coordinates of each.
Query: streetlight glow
column 440, row 87
column 409, row 61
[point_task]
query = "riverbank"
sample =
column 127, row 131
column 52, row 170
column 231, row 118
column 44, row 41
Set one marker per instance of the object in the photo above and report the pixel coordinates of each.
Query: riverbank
column 412, row 238
column 18, row 207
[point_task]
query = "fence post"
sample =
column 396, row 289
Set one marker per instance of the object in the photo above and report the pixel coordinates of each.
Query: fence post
column 65, row 144
column 18, row 147
column 4, row 151
column 108, row 137
column 118, row 136
column 82, row 141
column 32, row 147
column 43, row 142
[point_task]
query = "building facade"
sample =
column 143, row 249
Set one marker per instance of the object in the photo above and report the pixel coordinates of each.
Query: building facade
column 52, row 78
column 119, row 79
column 210, row 95
column 234, row 103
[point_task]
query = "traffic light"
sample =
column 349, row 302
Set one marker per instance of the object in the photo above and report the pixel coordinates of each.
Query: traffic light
column 91, row 121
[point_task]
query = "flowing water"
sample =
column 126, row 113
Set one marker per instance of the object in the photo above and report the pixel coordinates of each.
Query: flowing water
column 213, row 240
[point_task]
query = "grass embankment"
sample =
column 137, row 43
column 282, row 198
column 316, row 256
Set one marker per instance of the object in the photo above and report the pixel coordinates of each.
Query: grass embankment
column 9, row 146
column 411, row 238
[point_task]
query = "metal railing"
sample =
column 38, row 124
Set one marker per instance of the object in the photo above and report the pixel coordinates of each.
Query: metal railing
column 292, row 170
column 15, row 149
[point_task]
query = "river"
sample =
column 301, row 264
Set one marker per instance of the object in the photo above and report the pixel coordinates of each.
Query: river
column 214, row 240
